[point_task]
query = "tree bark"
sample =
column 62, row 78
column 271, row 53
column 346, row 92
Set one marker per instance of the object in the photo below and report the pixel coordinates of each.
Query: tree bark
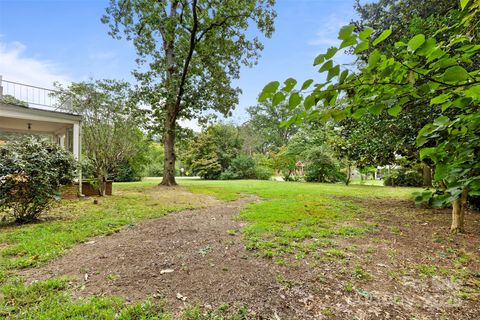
column 169, row 148
column 101, row 185
column 349, row 175
column 458, row 213
column 427, row 176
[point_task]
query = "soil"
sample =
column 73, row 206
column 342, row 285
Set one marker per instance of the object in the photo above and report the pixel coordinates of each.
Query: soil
column 197, row 257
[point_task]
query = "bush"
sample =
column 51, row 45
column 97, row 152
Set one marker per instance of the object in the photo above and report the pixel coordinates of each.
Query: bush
column 403, row 178
column 154, row 170
column 263, row 173
column 208, row 168
column 32, row 170
column 322, row 167
column 126, row 172
column 242, row 167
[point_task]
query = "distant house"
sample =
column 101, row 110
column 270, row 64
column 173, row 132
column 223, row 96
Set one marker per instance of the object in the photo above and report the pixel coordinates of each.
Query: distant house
column 26, row 109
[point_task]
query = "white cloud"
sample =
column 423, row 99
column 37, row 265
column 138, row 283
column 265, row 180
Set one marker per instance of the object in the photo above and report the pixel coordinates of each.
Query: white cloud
column 16, row 66
column 327, row 35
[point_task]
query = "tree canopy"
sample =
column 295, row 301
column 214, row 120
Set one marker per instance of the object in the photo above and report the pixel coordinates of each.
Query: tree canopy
column 188, row 53
column 420, row 71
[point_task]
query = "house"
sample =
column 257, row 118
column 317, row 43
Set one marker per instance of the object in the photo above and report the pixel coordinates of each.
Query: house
column 26, row 109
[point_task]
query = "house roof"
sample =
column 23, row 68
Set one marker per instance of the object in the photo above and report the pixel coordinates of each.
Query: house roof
column 11, row 110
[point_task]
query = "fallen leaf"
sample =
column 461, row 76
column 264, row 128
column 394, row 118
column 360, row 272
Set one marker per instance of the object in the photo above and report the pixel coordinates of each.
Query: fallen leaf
column 166, row 271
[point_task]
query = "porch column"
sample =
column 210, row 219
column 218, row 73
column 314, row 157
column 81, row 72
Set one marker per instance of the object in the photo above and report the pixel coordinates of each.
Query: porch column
column 77, row 152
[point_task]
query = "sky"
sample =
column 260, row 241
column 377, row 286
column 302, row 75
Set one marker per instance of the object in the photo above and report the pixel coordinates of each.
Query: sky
column 42, row 41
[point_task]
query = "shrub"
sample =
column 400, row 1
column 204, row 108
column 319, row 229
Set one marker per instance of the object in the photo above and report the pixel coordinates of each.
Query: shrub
column 263, row 172
column 242, row 167
column 322, row 167
column 208, row 168
column 126, row 172
column 403, row 178
column 32, row 170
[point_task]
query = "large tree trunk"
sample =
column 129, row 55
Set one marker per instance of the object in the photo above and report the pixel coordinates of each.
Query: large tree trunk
column 427, row 176
column 169, row 147
column 459, row 207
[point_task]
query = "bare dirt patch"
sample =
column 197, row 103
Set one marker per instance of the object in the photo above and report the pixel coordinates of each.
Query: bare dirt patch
column 407, row 267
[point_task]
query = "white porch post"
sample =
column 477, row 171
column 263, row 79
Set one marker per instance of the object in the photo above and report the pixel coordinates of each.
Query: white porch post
column 77, row 152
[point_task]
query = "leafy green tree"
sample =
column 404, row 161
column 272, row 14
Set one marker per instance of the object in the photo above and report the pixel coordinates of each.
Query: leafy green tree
column 213, row 150
column 241, row 167
column 265, row 121
column 110, row 124
column 32, row 170
column 190, row 51
column 134, row 168
column 421, row 71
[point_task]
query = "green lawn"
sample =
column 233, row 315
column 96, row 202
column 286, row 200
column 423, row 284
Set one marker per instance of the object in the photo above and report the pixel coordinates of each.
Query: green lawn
column 293, row 219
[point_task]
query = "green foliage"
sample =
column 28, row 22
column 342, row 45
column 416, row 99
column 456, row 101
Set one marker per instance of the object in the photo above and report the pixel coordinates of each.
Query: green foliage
column 436, row 69
column 8, row 99
column 135, row 168
column 266, row 122
column 322, row 167
column 110, row 124
column 403, row 178
column 187, row 58
column 263, row 172
column 213, row 150
column 32, row 170
column 241, row 167
column 155, row 157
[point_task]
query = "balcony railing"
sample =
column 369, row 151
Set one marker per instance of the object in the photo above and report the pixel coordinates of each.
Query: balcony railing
column 35, row 97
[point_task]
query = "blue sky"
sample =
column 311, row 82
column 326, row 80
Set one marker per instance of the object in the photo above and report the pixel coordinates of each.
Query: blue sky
column 46, row 40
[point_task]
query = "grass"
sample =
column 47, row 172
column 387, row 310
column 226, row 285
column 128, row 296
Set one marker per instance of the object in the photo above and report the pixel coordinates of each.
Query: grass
column 75, row 221
column 69, row 223
column 293, row 219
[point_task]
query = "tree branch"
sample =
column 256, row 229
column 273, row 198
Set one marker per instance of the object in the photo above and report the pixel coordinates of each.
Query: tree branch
column 191, row 49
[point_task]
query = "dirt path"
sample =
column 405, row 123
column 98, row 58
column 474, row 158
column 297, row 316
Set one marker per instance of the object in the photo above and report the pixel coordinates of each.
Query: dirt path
column 211, row 265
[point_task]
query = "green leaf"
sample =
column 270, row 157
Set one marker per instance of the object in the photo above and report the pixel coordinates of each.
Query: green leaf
column 384, row 35
column 473, row 92
column 343, row 76
column 319, row 59
column 268, row 90
column 463, row 3
column 309, row 102
column 277, row 98
column 338, row 115
column 333, row 72
column 373, row 59
column 376, row 109
column 441, row 171
column 427, row 152
column 331, row 52
column 416, row 42
column 359, row 113
column 365, row 33
column 440, row 99
column 455, row 74
column 326, row 66
column 289, row 84
column 345, row 32
column 307, row 84
column 294, row 100
column 362, row 46
column 395, row 110
column 350, row 41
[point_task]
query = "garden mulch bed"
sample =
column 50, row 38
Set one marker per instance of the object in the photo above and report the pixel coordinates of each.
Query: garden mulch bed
column 211, row 267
